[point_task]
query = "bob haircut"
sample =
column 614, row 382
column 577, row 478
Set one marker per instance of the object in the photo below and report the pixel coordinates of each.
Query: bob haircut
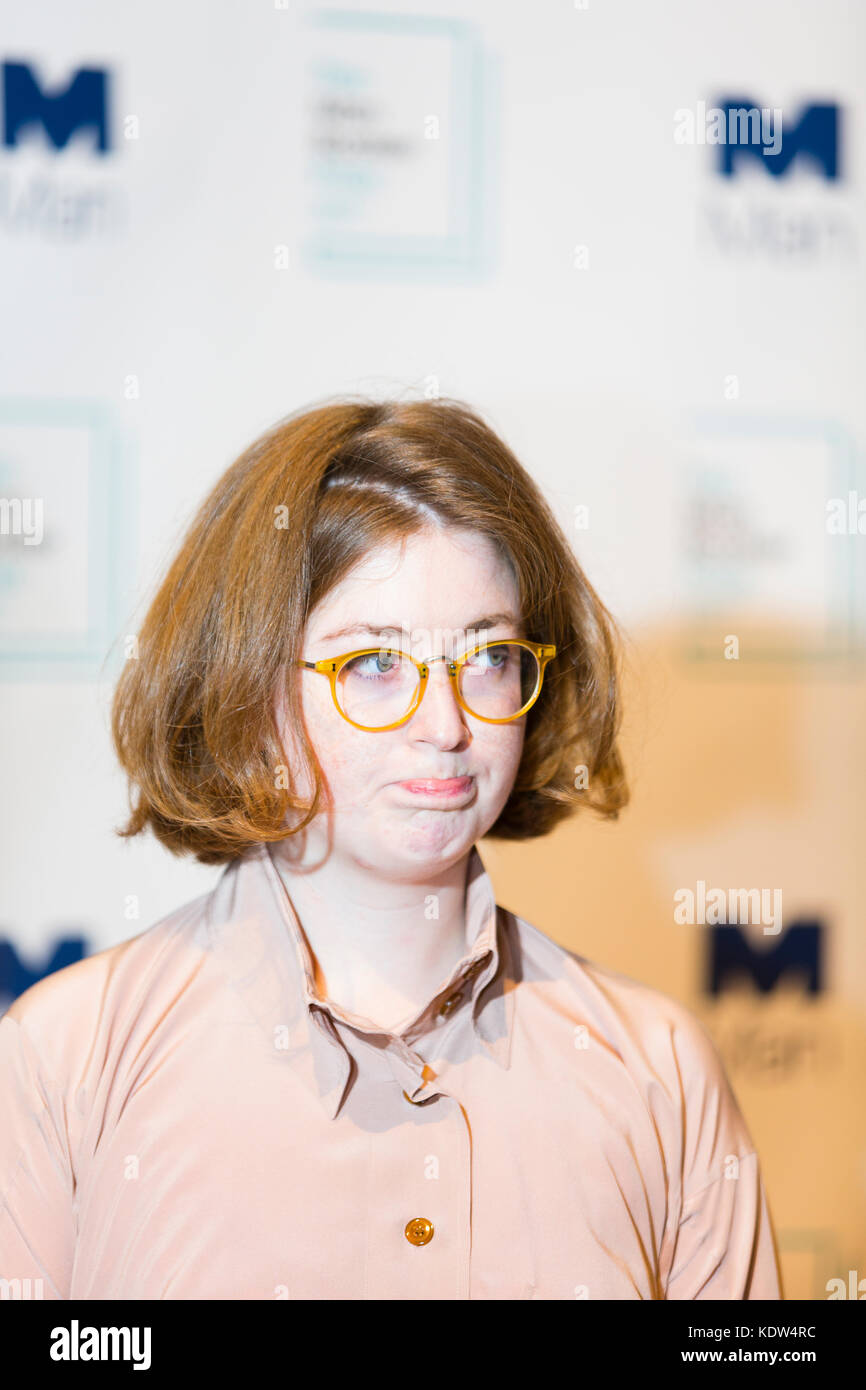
column 193, row 720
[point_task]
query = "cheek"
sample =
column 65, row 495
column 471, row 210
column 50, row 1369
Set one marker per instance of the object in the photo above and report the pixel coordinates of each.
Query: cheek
column 501, row 751
column 347, row 756
column 344, row 759
column 328, row 741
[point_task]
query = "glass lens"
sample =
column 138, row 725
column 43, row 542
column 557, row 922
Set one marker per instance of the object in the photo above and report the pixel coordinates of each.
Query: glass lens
column 378, row 688
column 498, row 680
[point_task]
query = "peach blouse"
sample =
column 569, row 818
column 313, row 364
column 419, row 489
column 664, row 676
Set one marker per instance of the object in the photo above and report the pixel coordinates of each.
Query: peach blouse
column 183, row 1116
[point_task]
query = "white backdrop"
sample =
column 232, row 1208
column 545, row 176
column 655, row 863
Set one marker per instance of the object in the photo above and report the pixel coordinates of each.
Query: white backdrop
column 479, row 199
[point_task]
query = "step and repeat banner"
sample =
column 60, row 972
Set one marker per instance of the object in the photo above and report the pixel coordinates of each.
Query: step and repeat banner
column 632, row 236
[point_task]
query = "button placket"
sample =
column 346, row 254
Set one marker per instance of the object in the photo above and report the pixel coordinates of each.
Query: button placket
column 400, row 1052
column 408, row 1069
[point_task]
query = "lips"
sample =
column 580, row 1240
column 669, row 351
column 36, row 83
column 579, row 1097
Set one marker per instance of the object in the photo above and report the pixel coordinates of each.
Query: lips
column 438, row 786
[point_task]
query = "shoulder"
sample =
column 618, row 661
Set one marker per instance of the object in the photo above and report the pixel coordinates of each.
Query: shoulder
column 61, row 1016
column 658, row 1038
column 648, row 1037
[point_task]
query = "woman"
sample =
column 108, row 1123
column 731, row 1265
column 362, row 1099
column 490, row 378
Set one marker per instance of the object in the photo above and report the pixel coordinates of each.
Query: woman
column 344, row 1072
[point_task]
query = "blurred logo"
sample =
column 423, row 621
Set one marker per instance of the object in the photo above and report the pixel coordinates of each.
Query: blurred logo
column 80, row 104
column 56, row 182
column 787, row 199
column 772, row 1040
column 732, row 957
column 810, row 143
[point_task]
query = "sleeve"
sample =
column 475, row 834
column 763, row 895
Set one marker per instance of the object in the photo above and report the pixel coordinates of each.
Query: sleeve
column 725, row 1246
column 36, row 1179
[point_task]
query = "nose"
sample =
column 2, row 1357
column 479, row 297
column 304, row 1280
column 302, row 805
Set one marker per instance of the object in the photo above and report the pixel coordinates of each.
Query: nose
column 439, row 718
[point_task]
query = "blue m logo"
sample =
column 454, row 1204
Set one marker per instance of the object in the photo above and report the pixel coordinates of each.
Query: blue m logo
column 733, row 958
column 815, row 137
column 80, row 105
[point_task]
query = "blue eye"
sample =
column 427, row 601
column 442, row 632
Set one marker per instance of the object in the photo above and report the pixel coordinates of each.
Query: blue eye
column 374, row 665
column 490, row 658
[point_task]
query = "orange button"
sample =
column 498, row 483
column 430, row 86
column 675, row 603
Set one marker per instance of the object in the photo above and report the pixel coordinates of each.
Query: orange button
column 419, row 1230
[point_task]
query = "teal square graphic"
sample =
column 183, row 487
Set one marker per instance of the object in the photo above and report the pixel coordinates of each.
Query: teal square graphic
column 755, row 541
column 371, row 169
column 61, row 597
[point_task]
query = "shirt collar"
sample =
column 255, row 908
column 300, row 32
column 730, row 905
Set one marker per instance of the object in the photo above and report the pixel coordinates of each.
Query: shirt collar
column 253, row 932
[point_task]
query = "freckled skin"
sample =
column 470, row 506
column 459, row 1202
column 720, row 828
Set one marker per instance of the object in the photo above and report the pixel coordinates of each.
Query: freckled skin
column 436, row 581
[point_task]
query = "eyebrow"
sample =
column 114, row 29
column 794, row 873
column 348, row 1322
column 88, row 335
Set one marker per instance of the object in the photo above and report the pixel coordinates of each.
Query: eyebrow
column 491, row 620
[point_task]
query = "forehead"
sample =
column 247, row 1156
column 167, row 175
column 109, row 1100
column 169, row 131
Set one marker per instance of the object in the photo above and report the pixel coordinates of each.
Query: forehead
column 433, row 578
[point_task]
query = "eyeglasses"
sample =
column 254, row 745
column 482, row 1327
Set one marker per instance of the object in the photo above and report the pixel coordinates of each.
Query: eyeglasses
column 380, row 688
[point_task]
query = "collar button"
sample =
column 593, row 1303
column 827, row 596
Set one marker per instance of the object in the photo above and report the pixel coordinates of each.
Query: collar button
column 450, row 1004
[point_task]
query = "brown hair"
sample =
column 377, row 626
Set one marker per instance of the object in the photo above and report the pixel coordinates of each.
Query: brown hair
column 193, row 721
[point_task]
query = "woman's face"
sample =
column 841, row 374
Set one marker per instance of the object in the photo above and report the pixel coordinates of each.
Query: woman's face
column 428, row 596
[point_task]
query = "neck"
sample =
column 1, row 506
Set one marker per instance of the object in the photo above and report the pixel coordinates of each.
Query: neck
column 380, row 948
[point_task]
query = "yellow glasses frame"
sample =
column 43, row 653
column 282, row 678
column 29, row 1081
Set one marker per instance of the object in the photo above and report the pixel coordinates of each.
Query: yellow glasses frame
column 331, row 666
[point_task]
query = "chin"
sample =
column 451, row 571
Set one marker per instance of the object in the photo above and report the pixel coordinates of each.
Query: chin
column 432, row 839
column 439, row 849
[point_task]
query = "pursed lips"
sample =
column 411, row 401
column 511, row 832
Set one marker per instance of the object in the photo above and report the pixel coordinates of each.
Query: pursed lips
column 438, row 786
